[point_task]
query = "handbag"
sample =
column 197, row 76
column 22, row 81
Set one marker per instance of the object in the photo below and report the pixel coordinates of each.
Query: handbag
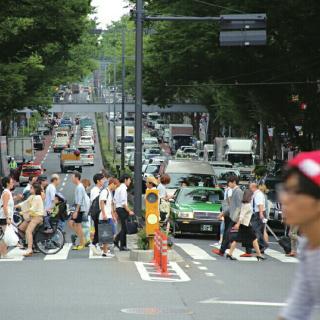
column 284, row 241
column 105, row 233
column 132, row 225
column 10, row 237
column 164, row 206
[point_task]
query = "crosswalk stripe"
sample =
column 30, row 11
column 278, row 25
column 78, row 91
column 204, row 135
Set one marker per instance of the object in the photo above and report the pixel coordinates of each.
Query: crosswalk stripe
column 280, row 256
column 61, row 255
column 237, row 253
column 15, row 255
column 194, row 251
column 92, row 256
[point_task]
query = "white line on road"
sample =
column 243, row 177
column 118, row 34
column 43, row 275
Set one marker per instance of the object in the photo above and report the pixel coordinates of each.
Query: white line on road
column 210, row 274
column 244, row 303
column 202, row 268
column 61, row 255
column 195, row 252
column 280, row 256
column 63, row 184
column 15, row 254
column 196, row 262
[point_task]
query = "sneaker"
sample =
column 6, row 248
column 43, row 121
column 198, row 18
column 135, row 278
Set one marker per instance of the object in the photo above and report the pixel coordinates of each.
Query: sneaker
column 96, row 251
column 246, row 255
column 78, row 248
column 107, row 255
column 218, row 252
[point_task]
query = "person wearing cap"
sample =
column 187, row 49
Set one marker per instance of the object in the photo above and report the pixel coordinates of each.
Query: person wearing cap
column 152, row 182
column 300, row 199
column 59, row 210
column 49, row 203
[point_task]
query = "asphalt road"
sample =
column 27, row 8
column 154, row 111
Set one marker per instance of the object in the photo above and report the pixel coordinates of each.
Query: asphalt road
column 78, row 286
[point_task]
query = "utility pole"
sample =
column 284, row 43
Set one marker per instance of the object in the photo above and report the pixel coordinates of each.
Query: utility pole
column 123, row 97
column 114, row 108
column 261, row 141
column 138, row 109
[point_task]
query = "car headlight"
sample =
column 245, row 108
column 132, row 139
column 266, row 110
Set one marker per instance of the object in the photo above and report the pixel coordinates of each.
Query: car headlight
column 185, row 215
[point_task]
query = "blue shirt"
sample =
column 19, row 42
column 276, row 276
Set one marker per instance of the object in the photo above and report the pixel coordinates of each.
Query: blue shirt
column 50, row 195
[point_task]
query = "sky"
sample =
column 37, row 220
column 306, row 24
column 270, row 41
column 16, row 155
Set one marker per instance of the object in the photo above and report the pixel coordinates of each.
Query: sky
column 109, row 10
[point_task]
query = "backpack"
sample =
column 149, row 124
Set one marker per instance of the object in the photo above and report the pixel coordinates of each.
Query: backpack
column 94, row 210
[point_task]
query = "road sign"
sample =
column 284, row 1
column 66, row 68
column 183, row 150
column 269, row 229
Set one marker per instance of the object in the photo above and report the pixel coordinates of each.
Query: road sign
column 28, row 114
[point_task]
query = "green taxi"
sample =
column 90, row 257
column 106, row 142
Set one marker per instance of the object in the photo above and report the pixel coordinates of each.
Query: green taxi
column 195, row 210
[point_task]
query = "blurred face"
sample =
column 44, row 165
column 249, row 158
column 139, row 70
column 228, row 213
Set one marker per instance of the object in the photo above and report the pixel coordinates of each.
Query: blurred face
column 74, row 179
column 298, row 208
column 56, row 182
column 253, row 187
column 100, row 183
column 112, row 187
column 32, row 191
column 11, row 184
column 128, row 182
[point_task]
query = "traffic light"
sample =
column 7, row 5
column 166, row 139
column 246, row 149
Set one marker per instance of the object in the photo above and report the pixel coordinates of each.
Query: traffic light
column 152, row 211
column 243, row 30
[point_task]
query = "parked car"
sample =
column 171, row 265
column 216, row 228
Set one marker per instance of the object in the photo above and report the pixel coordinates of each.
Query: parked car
column 196, row 210
column 86, row 141
column 30, row 169
column 222, row 174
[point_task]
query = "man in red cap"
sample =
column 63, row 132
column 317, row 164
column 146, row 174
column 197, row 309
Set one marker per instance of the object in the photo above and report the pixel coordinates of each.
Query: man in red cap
column 300, row 198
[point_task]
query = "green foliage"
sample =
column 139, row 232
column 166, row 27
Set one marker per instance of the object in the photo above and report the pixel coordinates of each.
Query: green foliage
column 43, row 44
column 143, row 243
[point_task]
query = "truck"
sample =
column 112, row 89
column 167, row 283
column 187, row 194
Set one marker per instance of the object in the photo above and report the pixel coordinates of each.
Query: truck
column 61, row 141
column 21, row 148
column 208, row 152
column 128, row 137
column 180, row 135
column 240, row 152
column 70, row 159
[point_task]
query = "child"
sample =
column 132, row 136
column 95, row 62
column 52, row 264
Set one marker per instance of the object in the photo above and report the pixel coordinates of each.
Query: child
column 60, row 211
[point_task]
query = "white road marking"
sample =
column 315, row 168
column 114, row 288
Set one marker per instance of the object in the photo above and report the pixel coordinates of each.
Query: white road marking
column 15, row 254
column 244, row 303
column 195, row 252
column 280, row 256
column 61, row 255
column 196, row 262
column 210, row 274
column 92, row 256
column 175, row 273
column 61, row 189
column 63, row 184
column 202, row 268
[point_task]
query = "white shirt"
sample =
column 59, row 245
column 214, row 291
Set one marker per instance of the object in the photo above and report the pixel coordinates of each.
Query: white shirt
column 106, row 196
column 10, row 205
column 50, row 195
column 227, row 193
column 121, row 196
column 258, row 199
column 162, row 191
column 95, row 191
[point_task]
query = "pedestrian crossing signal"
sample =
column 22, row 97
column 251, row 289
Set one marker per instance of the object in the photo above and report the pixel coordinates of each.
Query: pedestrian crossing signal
column 152, row 211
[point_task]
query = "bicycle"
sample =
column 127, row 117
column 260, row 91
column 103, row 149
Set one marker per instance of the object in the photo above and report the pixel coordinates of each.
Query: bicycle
column 46, row 243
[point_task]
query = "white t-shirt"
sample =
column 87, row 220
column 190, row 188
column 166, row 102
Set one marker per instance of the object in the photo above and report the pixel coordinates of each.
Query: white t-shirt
column 106, row 196
column 94, row 193
column 257, row 200
column 227, row 193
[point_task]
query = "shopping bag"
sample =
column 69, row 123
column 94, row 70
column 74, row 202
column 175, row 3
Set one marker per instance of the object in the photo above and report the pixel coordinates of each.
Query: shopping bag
column 132, row 225
column 105, row 232
column 10, row 237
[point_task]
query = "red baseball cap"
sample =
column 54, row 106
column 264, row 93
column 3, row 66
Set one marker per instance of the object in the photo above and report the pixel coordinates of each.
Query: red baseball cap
column 309, row 164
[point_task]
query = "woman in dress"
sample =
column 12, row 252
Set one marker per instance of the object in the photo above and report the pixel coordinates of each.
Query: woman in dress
column 246, row 234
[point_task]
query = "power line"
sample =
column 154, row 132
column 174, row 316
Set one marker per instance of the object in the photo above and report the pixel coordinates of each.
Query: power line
column 243, row 84
column 218, row 6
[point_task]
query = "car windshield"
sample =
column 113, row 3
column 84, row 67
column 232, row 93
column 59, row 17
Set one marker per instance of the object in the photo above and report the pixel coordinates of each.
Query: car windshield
column 152, row 169
column 150, row 142
column 62, row 134
column 189, row 150
column 86, row 138
column 84, row 151
column 192, row 179
column 30, row 169
column 224, row 173
column 244, row 159
column 153, row 151
column 190, row 196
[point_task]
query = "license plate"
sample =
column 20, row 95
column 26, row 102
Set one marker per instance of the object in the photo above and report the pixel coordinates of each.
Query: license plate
column 77, row 167
column 206, row 227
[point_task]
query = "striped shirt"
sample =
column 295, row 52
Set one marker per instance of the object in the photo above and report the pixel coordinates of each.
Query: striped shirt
column 305, row 293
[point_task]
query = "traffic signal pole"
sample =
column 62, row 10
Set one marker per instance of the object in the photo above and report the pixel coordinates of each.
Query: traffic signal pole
column 230, row 23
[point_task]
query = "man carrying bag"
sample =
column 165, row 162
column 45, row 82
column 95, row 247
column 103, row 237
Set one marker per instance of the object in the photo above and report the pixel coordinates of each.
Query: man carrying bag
column 106, row 218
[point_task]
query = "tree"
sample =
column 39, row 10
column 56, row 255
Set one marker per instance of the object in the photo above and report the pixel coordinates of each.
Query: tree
column 43, row 44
